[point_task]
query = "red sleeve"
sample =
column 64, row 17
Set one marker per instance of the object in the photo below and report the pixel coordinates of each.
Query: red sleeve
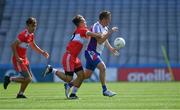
column 83, row 32
column 21, row 37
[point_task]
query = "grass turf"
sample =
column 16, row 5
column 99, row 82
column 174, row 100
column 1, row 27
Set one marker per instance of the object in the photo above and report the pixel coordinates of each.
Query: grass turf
column 162, row 95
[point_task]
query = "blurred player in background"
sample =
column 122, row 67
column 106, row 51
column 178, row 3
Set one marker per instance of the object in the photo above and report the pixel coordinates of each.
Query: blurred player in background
column 20, row 60
column 94, row 51
column 70, row 61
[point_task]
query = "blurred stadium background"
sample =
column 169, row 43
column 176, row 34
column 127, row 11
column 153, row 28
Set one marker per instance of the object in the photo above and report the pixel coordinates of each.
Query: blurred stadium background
column 144, row 24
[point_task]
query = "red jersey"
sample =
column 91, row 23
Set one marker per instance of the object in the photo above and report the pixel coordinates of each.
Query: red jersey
column 75, row 46
column 25, row 38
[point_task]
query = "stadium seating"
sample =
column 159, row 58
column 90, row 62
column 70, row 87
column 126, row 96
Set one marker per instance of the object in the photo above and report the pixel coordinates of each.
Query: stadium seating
column 145, row 25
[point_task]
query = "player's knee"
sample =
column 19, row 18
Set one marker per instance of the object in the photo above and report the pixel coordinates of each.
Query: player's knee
column 81, row 76
column 28, row 80
column 86, row 76
column 103, row 69
column 88, row 73
column 57, row 73
column 68, row 79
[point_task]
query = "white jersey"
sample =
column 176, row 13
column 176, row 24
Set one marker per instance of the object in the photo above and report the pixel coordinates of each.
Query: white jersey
column 93, row 45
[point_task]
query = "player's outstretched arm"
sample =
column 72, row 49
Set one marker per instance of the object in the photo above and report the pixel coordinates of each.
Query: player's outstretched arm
column 39, row 50
column 112, row 49
column 110, row 31
column 99, row 37
column 113, row 29
column 93, row 34
column 107, row 35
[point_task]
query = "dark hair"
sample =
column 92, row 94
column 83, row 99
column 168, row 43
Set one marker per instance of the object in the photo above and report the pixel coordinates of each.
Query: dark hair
column 104, row 14
column 30, row 20
column 77, row 19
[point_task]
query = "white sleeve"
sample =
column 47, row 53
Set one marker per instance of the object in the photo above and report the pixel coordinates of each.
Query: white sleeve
column 96, row 28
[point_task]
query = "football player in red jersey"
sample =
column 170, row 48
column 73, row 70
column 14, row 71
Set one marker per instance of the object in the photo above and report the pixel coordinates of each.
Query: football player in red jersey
column 20, row 60
column 70, row 61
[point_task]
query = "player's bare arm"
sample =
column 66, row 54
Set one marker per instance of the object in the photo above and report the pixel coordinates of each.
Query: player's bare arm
column 110, row 31
column 39, row 50
column 13, row 46
column 107, row 35
column 101, row 38
column 112, row 49
column 92, row 34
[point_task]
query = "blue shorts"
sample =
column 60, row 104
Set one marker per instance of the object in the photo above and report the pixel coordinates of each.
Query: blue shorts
column 92, row 59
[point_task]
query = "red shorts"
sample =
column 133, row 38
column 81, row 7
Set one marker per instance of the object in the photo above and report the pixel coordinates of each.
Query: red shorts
column 70, row 63
column 20, row 67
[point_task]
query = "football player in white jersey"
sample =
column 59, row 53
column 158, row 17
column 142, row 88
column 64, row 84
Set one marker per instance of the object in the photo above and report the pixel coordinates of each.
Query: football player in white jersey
column 95, row 48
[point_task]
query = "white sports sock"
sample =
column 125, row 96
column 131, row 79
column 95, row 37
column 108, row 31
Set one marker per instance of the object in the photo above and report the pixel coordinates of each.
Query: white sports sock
column 21, row 93
column 54, row 71
column 11, row 78
column 75, row 89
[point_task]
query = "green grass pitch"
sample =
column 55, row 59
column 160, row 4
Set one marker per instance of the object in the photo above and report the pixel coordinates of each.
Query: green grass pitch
column 162, row 95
